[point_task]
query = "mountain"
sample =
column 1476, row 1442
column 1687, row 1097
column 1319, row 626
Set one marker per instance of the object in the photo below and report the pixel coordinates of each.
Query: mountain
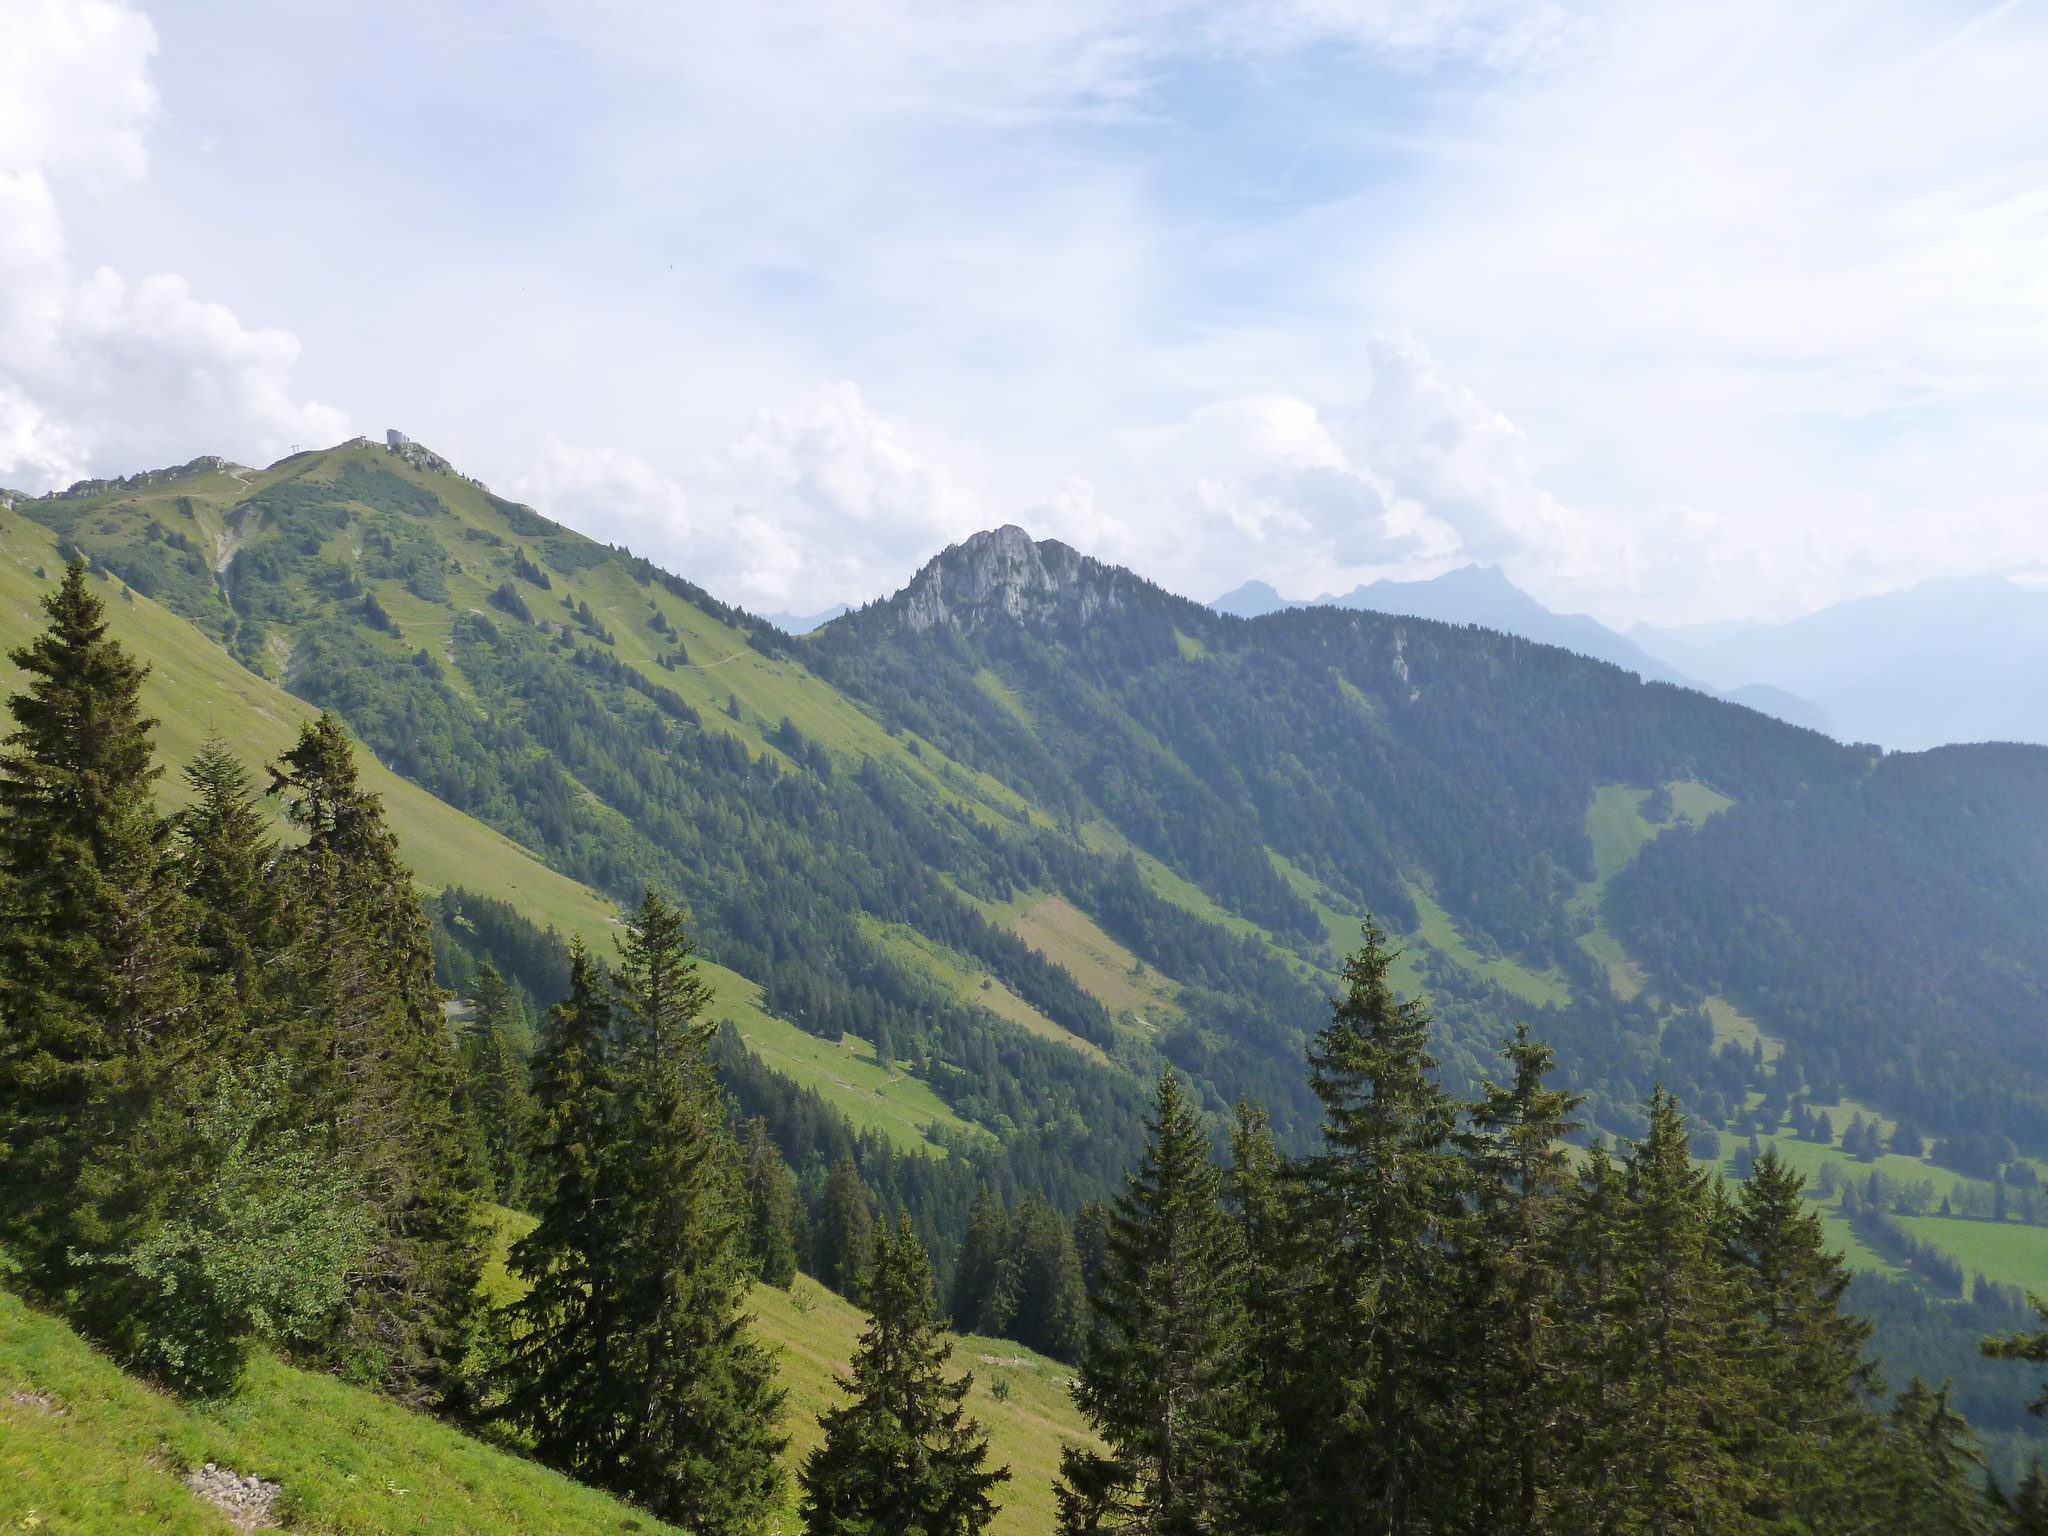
column 975, row 860
column 1947, row 661
column 1483, row 595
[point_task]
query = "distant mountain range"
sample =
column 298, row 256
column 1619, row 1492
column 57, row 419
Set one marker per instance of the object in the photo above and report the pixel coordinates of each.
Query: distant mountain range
column 1483, row 595
column 1947, row 661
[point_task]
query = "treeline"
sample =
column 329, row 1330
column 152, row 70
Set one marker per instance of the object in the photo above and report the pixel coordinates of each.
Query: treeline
column 1439, row 1321
column 229, row 1100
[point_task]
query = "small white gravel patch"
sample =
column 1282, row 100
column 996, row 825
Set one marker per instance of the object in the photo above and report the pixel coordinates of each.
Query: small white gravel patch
column 245, row 1500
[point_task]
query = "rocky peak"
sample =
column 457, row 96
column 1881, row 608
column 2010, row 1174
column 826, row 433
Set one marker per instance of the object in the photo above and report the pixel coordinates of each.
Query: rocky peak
column 1006, row 571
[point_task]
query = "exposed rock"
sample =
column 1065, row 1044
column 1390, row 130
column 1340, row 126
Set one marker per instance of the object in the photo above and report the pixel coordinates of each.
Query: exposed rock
column 247, row 1501
column 1006, row 570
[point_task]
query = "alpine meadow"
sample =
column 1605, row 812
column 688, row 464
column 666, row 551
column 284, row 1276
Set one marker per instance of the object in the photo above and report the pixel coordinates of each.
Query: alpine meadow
column 495, row 1038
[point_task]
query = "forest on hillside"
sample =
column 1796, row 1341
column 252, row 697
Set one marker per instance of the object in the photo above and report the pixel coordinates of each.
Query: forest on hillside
column 235, row 1113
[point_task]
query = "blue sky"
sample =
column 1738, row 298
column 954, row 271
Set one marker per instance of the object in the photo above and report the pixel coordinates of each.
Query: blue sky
column 1677, row 313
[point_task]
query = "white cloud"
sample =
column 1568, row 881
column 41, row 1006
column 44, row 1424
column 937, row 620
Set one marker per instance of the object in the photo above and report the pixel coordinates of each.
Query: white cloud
column 820, row 500
column 97, row 374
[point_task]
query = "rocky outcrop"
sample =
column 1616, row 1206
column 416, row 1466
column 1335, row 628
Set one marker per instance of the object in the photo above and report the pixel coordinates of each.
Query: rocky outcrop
column 1005, row 571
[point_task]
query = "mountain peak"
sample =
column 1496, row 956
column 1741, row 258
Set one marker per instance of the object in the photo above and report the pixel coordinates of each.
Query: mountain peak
column 1004, row 570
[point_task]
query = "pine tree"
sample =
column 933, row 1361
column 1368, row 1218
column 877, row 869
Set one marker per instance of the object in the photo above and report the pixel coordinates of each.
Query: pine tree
column 1255, row 1194
column 845, row 1230
column 1162, row 1377
column 2030, row 1504
column 95, row 997
column 1509, row 1285
column 495, row 1093
column 1683, row 1389
column 561, row 1330
column 1592, row 1430
column 242, row 923
column 1091, row 1240
column 1807, row 1436
column 1928, row 1477
column 773, row 1215
column 902, row 1456
column 985, row 1281
column 1367, row 1435
column 1053, row 1297
column 376, row 1062
column 693, row 1393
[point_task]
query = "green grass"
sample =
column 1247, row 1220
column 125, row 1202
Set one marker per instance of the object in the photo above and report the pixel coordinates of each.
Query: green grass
column 1106, row 970
column 845, row 1072
column 1440, row 933
column 972, row 982
column 106, row 1454
column 2005, row 1251
column 1618, row 829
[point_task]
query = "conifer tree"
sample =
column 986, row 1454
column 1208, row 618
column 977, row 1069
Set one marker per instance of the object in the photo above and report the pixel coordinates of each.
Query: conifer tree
column 1509, row 1286
column 1255, row 1193
column 1162, row 1377
column 1053, row 1298
column 985, row 1281
column 1928, row 1478
column 1682, row 1389
column 94, row 991
column 241, row 920
column 1593, row 1296
column 903, row 1456
column 495, row 1093
column 2030, row 1504
column 1368, row 1424
column 1807, row 1436
column 773, row 1215
column 557, row 1386
column 635, row 1331
column 376, row 1062
column 845, row 1230
column 1091, row 1240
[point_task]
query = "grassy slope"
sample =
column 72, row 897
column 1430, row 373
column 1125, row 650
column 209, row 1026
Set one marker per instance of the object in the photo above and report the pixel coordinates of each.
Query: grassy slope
column 105, row 1455
column 197, row 690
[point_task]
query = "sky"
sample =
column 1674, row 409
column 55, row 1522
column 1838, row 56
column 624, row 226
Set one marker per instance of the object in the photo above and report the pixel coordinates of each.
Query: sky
column 1677, row 313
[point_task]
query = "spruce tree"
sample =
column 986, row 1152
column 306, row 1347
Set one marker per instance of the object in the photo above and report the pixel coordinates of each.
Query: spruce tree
column 845, row 1230
column 1683, row 1387
column 561, row 1330
column 902, row 1456
column 1509, row 1280
column 1053, row 1299
column 1255, row 1193
column 495, row 1093
column 773, row 1216
column 639, row 1341
column 1162, row 1377
column 985, row 1281
column 376, row 1062
column 1929, row 1478
column 1808, row 1438
column 226, row 859
column 2030, row 1504
column 95, row 996
column 1368, row 1426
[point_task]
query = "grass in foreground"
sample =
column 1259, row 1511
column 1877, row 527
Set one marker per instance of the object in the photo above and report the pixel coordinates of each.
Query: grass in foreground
column 86, row 1449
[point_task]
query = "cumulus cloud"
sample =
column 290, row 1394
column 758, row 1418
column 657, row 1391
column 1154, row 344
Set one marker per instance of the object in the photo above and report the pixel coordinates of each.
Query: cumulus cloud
column 98, row 374
column 822, row 499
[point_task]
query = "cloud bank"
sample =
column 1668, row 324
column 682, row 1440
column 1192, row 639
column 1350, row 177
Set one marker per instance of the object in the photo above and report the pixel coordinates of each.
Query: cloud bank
column 98, row 371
